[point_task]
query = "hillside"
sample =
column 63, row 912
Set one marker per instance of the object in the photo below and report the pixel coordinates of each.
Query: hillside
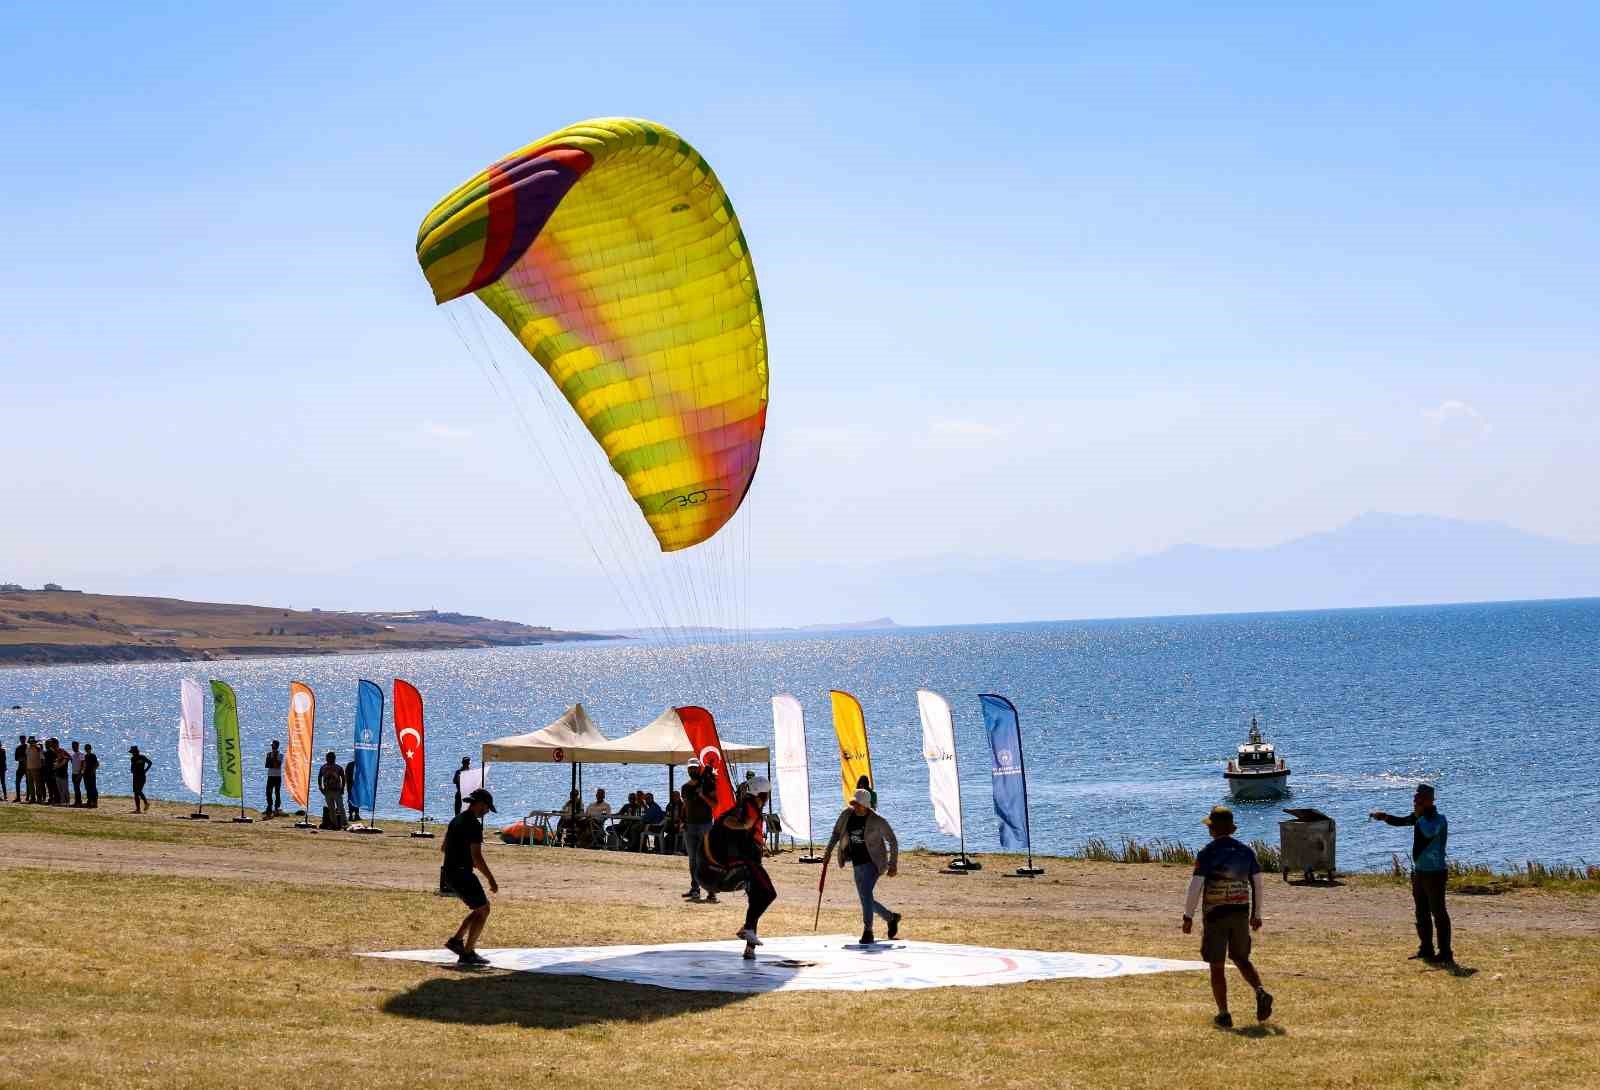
column 44, row 627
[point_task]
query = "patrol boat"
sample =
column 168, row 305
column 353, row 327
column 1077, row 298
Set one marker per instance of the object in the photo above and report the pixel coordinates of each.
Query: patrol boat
column 1257, row 772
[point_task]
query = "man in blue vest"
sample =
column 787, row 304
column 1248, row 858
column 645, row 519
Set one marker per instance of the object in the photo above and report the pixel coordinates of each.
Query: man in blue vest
column 1429, row 872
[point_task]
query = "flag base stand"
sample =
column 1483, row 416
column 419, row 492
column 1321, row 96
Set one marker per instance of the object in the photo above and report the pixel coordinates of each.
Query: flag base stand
column 244, row 821
column 421, row 831
column 364, row 830
column 1027, row 872
column 421, row 836
column 196, row 816
column 961, row 864
column 809, row 859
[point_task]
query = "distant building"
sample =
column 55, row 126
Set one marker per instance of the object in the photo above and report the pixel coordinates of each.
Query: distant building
column 54, row 586
column 11, row 586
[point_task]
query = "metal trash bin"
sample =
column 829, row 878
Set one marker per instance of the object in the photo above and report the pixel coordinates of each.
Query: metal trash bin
column 1306, row 844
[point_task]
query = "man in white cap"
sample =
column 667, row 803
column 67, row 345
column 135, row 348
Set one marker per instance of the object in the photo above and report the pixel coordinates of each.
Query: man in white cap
column 699, row 794
column 735, row 856
column 867, row 843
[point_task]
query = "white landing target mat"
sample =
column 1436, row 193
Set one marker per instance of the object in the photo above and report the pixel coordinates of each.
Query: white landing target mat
column 809, row 963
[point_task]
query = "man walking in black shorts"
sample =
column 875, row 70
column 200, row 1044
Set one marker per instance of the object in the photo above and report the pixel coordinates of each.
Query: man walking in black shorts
column 1228, row 876
column 139, row 765
column 463, row 853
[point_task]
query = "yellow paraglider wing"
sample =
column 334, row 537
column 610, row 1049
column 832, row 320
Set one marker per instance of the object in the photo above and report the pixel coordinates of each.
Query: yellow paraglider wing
column 612, row 253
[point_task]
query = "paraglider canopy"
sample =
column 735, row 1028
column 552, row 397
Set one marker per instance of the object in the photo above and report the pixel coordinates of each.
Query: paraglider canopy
column 612, row 253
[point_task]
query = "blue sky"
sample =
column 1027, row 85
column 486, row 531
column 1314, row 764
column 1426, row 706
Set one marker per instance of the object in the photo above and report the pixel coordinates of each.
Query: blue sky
column 1042, row 282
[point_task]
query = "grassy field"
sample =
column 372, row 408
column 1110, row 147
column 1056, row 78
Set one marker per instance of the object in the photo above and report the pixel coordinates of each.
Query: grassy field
column 145, row 952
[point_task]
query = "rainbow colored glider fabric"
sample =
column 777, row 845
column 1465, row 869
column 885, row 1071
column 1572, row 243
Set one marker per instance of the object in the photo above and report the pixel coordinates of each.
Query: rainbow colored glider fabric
column 611, row 251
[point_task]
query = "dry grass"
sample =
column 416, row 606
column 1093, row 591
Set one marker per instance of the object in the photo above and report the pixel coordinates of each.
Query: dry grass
column 153, row 980
column 1480, row 878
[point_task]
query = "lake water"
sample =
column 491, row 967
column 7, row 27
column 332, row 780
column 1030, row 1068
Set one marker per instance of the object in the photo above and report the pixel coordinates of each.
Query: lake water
column 1127, row 724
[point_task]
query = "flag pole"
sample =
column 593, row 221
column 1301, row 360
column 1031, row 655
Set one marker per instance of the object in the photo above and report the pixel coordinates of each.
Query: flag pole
column 1030, row 870
column 200, row 795
column 960, row 864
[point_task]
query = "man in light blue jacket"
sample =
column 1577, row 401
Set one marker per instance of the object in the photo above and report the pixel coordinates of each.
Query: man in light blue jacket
column 1429, row 872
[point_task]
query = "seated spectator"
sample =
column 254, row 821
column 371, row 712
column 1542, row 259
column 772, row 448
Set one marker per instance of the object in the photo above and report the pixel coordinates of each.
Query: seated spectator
column 595, row 816
column 571, row 814
column 650, row 811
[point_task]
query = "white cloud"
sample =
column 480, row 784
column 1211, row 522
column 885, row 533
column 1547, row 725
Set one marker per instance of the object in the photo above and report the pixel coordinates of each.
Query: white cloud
column 444, row 431
column 1455, row 421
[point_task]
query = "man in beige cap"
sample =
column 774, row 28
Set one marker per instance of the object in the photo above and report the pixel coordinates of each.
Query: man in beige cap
column 1228, row 877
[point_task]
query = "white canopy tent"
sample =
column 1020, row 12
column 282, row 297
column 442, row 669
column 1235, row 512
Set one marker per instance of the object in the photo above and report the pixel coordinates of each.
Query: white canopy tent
column 569, row 740
column 574, row 740
column 663, row 742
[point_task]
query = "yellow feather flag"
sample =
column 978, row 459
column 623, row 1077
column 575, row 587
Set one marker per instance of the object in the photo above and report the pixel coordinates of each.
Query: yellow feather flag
column 855, row 756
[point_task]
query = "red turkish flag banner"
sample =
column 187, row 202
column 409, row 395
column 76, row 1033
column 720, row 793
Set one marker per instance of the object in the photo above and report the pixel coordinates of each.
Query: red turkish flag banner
column 702, row 732
column 413, row 748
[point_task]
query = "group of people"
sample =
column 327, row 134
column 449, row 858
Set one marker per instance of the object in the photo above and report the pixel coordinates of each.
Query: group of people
column 725, row 847
column 597, row 825
column 1227, row 882
column 50, row 774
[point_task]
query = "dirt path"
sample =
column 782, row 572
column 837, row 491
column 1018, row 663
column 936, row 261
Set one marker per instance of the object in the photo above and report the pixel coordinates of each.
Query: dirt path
column 1147, row 895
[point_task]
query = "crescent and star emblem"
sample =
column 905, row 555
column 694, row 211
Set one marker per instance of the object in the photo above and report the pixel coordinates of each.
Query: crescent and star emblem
column 559, row 755
column 411, row 752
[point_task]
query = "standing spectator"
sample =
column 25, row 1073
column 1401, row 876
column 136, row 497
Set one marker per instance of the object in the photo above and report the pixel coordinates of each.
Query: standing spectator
column 48, row 771
column 20, row 755
column 699, row 794
column 863, row 782
column 274, row 767
column 61, row 774
column 35, row 761
column 350, row 789
column 91, row 775
column 1429, row 873
column 463, row 853
column 867, row 844
column 2, row 773
column 77, row 775
column 330, row 781
column 140, row 766
column 466, row 763
column 1227, row 876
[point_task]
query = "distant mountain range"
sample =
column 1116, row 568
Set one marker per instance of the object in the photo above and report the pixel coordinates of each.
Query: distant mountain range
column 1373, row 560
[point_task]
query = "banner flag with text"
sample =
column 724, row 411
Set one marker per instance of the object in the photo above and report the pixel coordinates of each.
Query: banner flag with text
column 225, row 723
column 369, row 736
column 855, row 756
column 939, row 750
column 192, row 735
column 1010, row 774
column 302, row 732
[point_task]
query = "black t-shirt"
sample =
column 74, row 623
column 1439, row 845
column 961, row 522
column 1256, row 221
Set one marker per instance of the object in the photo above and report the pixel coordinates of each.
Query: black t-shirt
column 464, row 831
column 91, row 762
column 139, row 764
column 696, row 807
column 855, row 835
